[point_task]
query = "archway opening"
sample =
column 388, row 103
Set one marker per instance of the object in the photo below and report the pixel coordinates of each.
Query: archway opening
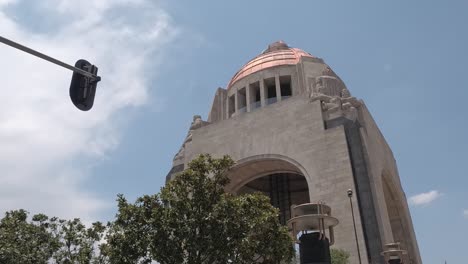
column 284, row 190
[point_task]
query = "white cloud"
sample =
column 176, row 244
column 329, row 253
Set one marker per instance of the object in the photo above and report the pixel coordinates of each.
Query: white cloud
column 424, row 198
column 47, row 147
column 465, row 213
column 6, row 2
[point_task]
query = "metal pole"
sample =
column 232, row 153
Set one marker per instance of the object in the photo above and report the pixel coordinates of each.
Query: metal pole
column 350, row 194
column 48, row 58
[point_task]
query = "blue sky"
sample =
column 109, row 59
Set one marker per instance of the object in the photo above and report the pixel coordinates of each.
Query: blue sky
column 161, row 62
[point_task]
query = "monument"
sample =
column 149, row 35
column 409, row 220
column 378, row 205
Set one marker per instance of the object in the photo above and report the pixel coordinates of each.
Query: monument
column 299, row 136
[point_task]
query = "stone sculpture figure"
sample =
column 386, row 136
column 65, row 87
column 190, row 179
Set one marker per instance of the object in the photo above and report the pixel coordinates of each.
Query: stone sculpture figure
column 196, row 123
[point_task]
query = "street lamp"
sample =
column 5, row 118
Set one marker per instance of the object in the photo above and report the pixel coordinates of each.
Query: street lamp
column 394, row 254
column 350, row 195
column 312, row 220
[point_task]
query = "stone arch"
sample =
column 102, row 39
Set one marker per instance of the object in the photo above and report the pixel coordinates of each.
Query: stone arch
column 253, row 167
column 280, row 178
column 398, row 215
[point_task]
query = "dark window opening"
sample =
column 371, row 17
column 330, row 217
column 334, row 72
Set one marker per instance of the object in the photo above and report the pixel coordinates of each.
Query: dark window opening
column 270, row 90
column 285, row 84
column 255, row 99
column 231, row 105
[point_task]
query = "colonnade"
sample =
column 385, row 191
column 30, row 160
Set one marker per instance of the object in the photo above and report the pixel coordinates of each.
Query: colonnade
column 259, row 94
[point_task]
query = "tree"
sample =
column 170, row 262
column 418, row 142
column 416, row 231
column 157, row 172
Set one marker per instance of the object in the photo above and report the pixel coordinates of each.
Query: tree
column 339, row 256
column 193, row 221
column 47, row 240
column 26, row 242
column 78, row 243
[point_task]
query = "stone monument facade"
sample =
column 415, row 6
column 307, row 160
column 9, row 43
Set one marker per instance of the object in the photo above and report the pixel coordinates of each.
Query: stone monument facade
column 299, row 136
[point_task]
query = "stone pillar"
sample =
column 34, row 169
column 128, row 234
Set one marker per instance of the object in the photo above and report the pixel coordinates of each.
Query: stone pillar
column 227, row 105
column 247, row 96
column 262, row 92
column 278, row 88
column 236, row 102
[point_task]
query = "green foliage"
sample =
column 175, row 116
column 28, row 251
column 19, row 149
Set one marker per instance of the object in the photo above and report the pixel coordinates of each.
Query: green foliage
column 78, row 243
column 193, row 221
column 339, row 256
column 26, row 242
column 47, row 240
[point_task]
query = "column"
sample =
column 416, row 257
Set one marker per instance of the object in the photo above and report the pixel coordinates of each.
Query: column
column 278, row 88
column 262, row 92
column 247, row 96
column 227, row 105
column 236, row 102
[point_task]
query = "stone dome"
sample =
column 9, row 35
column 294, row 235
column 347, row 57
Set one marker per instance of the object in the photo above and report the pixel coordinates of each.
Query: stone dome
column 277, row 54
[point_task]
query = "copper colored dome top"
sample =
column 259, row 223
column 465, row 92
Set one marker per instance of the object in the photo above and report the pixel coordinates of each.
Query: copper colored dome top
column 277, row 53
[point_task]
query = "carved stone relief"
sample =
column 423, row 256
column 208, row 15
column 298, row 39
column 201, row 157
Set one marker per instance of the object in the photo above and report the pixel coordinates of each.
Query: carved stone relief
column 334, row 106
column 196, row 123
column 327, row 84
